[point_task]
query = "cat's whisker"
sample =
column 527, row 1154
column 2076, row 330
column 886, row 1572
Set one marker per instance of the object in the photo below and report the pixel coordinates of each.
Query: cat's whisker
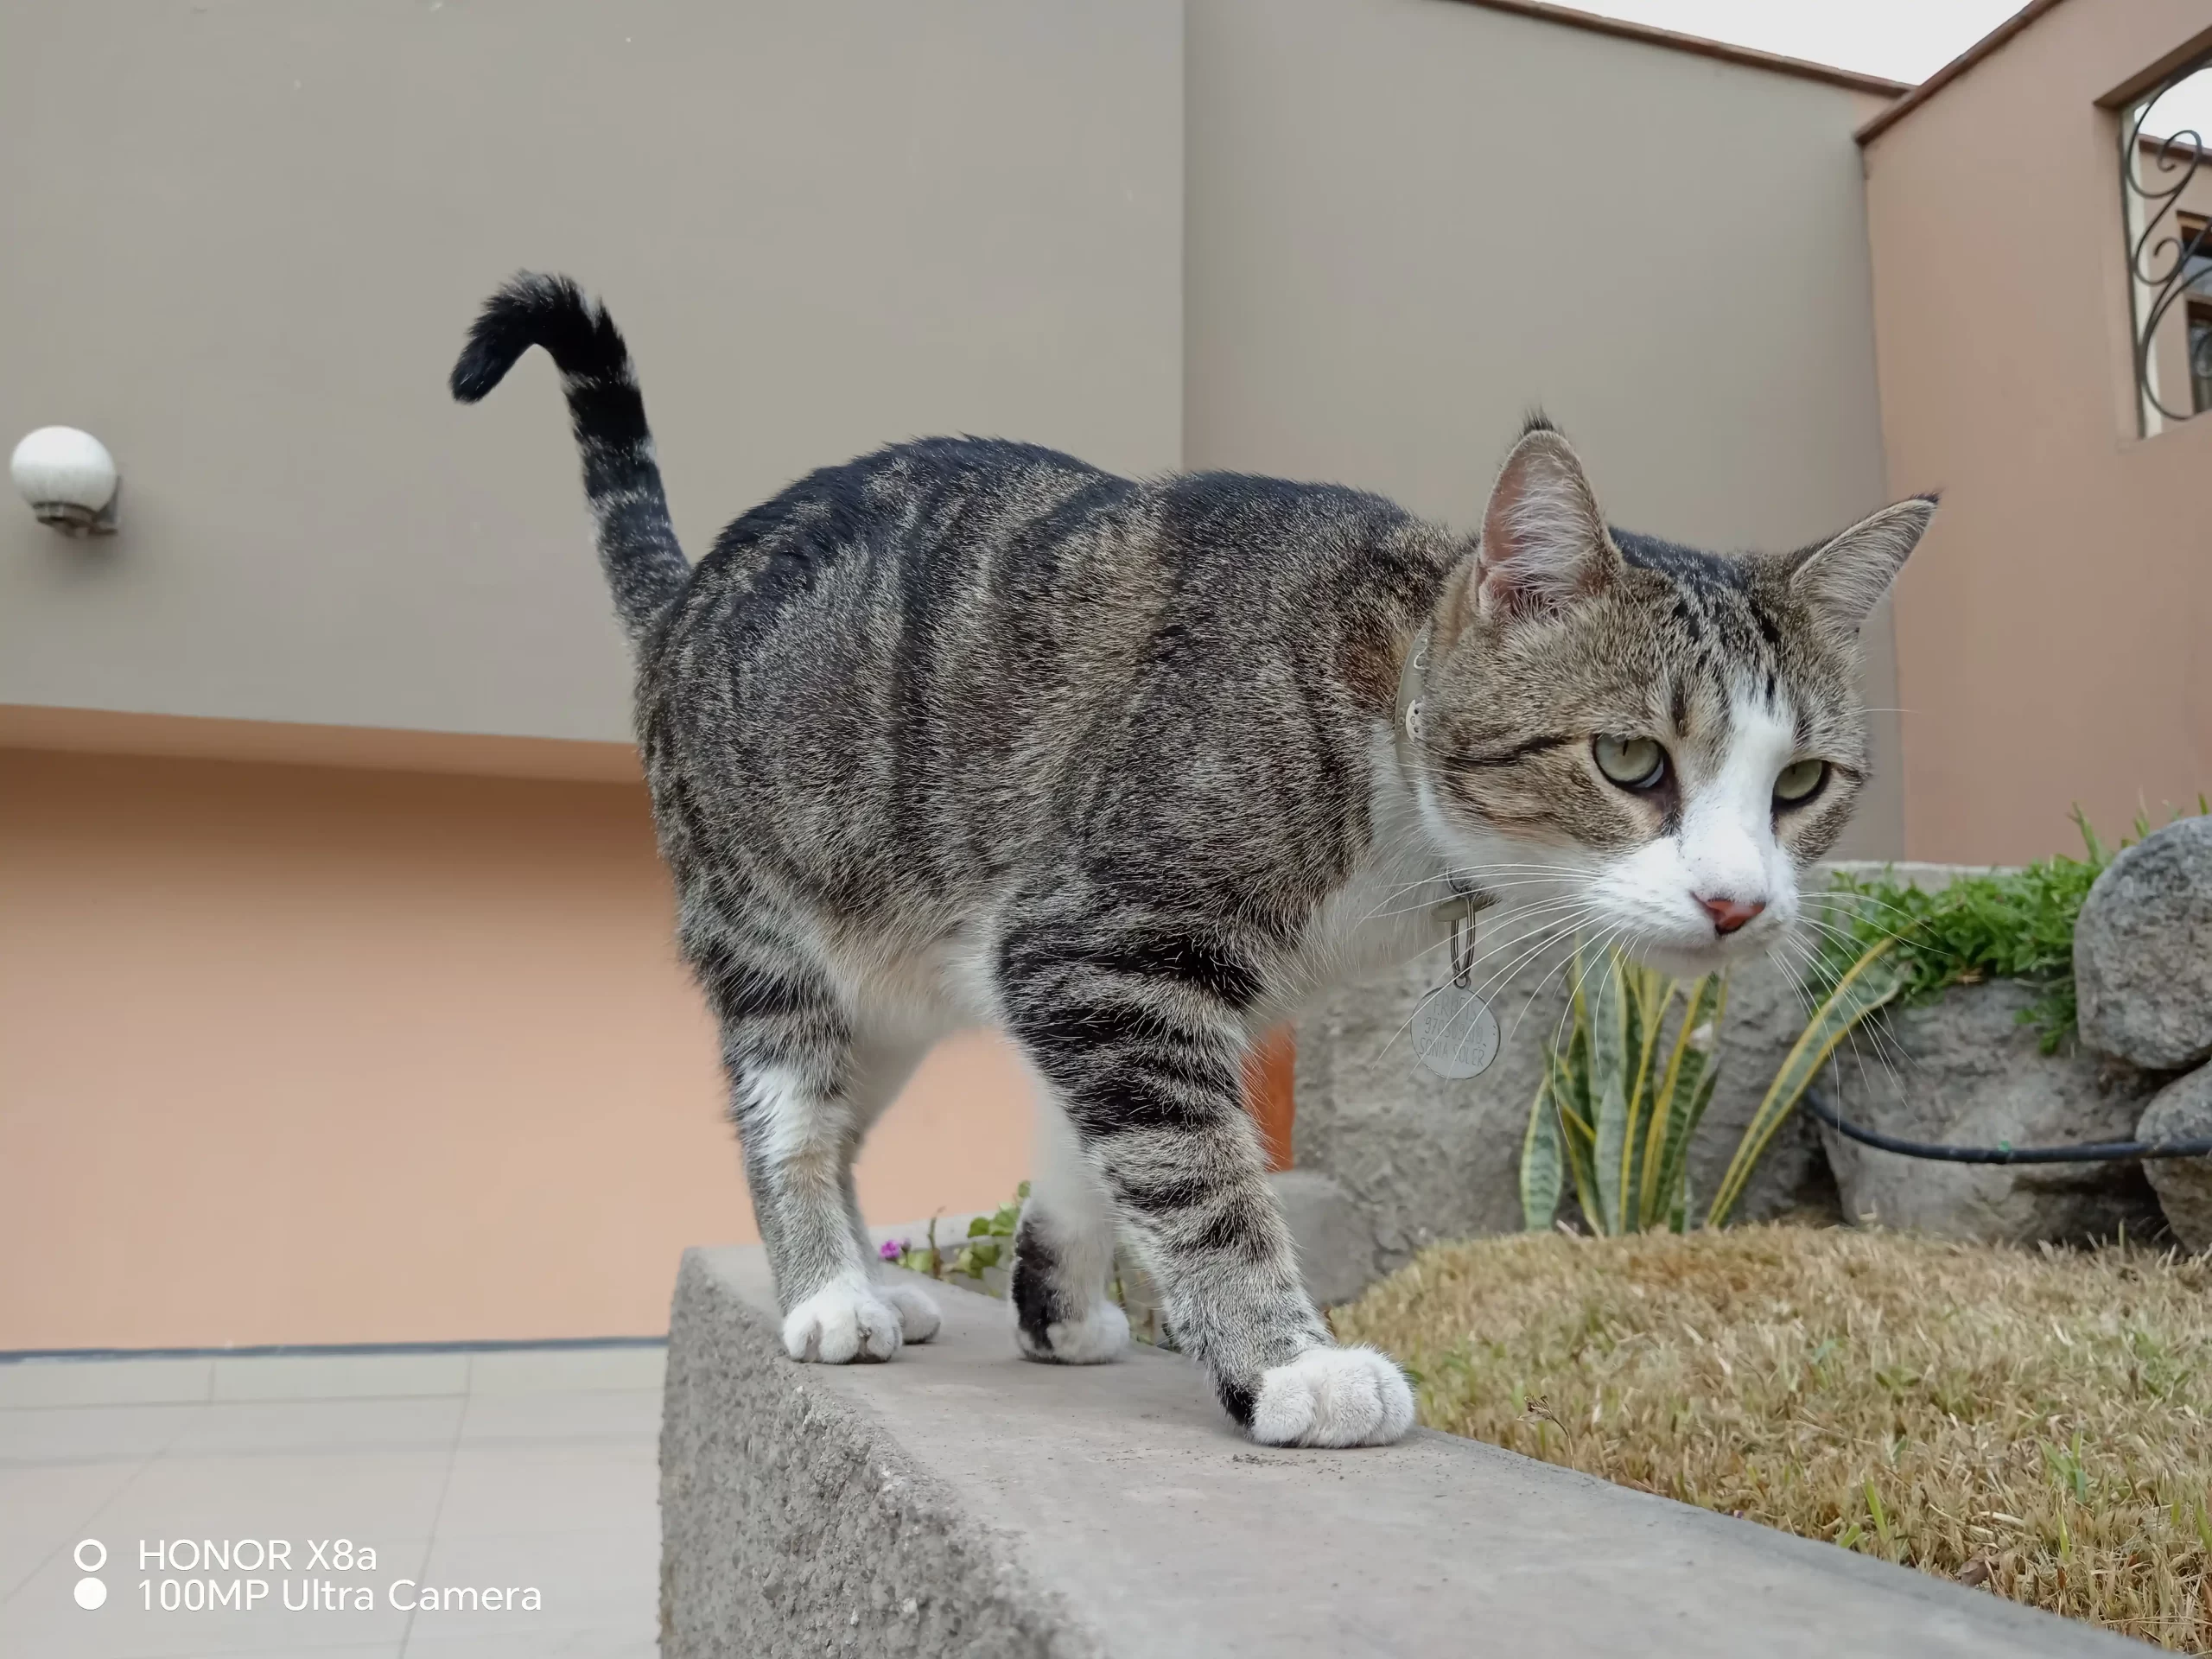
column 1444, row 891
column 1409, row 836
column 1550, row 940
column 1484, row 878
column 1859, row 905
column 1882, row 1041
column 1551, row 932
column 1551, row 927
column 1545, row 937
column 1852, row 944
column 1522, row 915
column 1533, row 914
column 1431, row 904
column 1593, row 954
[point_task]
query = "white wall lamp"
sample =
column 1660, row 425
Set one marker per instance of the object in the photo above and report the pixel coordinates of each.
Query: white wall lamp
column 69, row 478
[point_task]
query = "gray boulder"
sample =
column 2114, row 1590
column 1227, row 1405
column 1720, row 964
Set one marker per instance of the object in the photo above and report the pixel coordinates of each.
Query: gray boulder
column 2143, row 950
column 2182, row 1111
column 1336, row 1240
column 1963, row 1071
column 1429, row 1159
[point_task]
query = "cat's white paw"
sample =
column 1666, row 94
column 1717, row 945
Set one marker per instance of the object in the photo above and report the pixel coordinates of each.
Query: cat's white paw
column 841, row 1323
column 1333, row 1396
column 919, row 1319
column 1099, row 1335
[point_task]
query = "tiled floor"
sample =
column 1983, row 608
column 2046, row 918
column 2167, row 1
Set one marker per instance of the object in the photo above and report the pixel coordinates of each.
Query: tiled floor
column 529, row 1470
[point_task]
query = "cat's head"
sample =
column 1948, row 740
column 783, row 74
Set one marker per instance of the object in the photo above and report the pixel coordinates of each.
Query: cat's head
column 1659, row 740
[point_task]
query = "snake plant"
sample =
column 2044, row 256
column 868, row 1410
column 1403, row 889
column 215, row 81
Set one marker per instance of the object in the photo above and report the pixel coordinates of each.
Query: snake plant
column 1622, row 1095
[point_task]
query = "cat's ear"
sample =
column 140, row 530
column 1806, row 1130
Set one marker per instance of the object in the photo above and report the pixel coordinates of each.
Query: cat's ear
column 1845, row 577
column 1543, row 538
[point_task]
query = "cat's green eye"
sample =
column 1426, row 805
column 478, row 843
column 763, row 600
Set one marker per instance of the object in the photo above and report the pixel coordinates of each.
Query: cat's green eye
column 1631, row 762
column 1800, row 781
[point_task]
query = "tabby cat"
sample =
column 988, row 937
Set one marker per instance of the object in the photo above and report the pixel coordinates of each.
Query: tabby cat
column 967, row 732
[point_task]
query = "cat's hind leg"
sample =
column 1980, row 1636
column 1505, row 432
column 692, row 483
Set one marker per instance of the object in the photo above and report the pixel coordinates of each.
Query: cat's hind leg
column 1064, row 1252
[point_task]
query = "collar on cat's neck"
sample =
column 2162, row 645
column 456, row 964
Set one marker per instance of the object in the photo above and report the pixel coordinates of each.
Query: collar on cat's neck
column 1405, row 721
column 1405, row 736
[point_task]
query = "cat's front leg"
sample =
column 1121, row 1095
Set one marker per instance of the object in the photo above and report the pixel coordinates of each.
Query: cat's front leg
column 1136, row 1028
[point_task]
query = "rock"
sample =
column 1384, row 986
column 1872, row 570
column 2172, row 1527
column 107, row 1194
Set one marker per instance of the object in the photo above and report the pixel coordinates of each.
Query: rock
column 1963, row 1071
column 2182, row 1111
column 2143, row 950
column 1336, row 1242
column 1427, row 1159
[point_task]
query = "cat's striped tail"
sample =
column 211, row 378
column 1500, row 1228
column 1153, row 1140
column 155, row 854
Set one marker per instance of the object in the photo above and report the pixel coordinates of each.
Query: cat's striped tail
column 637, row 541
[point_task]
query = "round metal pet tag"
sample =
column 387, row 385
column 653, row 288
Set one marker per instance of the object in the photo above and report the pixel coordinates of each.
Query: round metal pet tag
column 1455, row 1033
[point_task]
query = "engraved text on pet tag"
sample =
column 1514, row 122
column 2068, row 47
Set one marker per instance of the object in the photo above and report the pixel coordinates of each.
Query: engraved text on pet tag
column 1455, row 1033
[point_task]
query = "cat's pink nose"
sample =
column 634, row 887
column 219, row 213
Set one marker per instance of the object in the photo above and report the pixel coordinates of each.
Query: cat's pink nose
column 1729, row 914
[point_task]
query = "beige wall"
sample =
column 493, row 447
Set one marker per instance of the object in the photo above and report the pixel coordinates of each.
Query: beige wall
column 2052, row 633
column 311, row 1055
column 243, row 241
column 1408, row 221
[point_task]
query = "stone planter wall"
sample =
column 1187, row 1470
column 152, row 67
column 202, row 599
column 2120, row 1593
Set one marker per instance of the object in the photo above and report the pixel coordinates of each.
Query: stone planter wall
column 1963, row 1071
column 1430, row 1159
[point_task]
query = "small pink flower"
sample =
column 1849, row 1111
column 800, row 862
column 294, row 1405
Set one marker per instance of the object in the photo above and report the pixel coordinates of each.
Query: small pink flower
column 893, row 1249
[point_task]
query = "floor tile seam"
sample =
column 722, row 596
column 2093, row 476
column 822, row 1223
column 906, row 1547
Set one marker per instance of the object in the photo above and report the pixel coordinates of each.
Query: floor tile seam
column 83, row 1530
column 317, row 1449
column 211, row 1399
column 92, row 1520
column 434, row 1348
column 127, row 1403
column 337, row 1399
column 539, row 1394
column 102, row 1405
column 342, row 1647
column 543, row 1442
column 250, row 1400
column 438, row 1515
column 93, row 1460
column 492, row 1535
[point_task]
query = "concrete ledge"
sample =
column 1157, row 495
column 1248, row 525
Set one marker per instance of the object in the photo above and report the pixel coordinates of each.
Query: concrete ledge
column 959, row 1501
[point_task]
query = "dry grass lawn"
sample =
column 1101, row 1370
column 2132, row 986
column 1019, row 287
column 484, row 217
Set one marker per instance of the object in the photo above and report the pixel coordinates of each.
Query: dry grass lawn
column 2038, row 1423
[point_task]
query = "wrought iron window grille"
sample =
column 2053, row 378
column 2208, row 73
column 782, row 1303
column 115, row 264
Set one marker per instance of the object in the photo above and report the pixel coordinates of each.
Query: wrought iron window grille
column 2168, row 252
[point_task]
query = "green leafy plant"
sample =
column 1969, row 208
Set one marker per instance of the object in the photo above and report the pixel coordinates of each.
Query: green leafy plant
column 982, row 1248
column 1620, row 1098
column 1874, row 979
column 2007, row 923
column 1617, row 1119
column 987, row 1244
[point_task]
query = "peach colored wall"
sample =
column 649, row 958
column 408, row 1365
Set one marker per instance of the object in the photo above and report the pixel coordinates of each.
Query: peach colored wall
column 2055, row 631
column 186, row 737
column 310, row 1055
